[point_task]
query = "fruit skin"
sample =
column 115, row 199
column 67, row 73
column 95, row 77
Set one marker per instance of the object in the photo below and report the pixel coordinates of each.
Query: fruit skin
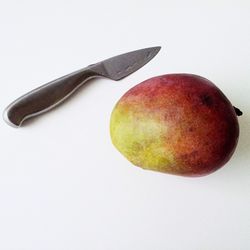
column 177, row 123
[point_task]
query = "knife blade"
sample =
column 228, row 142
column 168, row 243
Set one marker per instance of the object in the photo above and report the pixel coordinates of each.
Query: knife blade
column 49, row 95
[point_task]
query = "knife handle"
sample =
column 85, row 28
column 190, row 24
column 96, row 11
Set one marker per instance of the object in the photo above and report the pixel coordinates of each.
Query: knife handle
column 45, row 97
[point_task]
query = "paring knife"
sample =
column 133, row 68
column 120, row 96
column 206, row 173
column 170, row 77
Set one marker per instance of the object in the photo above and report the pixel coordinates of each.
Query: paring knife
column 53, row 93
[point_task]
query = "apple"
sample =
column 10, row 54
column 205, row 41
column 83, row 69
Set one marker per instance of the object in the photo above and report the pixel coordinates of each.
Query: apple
column 180, row 124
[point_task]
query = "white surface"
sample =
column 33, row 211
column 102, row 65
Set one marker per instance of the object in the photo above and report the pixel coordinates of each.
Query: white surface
column 62, row 183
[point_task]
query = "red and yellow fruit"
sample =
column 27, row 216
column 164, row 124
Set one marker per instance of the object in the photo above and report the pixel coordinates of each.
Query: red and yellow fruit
column 178, row 123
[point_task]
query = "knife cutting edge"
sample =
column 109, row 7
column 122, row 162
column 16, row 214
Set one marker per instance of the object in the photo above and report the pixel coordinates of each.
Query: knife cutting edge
column 55, row 92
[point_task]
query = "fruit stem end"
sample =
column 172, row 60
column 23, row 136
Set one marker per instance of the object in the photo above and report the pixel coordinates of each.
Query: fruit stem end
column 238, row 112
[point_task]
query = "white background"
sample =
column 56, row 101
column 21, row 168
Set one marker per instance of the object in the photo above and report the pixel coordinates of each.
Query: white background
column 62, row 183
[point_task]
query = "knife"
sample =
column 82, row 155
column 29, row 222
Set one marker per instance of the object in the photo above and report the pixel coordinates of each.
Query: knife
column 55, row 92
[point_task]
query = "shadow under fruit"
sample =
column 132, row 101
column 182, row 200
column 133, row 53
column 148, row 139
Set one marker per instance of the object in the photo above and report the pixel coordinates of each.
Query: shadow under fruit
column 177, row 123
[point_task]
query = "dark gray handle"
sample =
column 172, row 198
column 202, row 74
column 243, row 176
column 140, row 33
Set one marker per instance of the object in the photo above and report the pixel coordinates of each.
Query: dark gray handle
column 45, row 97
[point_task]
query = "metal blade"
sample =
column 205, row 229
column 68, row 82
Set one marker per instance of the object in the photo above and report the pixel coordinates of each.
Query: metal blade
column 123, row 65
